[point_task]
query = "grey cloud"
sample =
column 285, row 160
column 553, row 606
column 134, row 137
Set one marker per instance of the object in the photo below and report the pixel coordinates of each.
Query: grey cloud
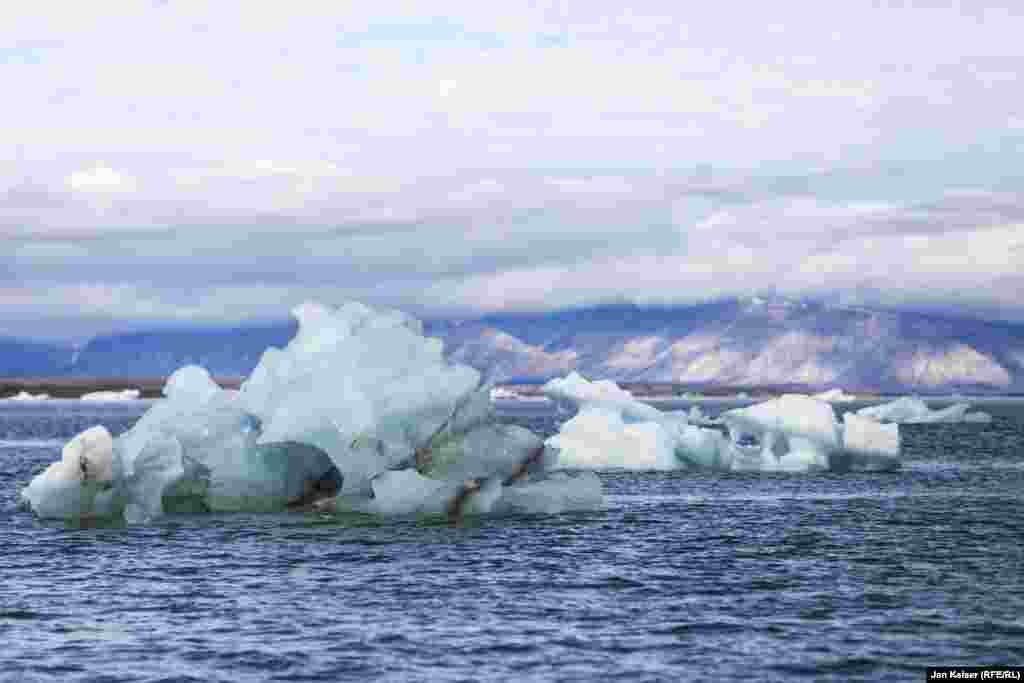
column 29, row 195
column 656, row 152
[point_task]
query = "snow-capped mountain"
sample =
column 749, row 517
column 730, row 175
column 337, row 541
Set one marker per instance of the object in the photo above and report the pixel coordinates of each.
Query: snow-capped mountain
column 750, row 343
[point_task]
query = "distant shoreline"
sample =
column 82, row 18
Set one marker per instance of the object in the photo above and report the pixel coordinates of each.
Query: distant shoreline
column 152, row 387
column 74, row 387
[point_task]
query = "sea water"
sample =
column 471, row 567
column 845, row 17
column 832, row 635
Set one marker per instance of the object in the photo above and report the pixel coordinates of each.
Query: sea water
column 685, row 575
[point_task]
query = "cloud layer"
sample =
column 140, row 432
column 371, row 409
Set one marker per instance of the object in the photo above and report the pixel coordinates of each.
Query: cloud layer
column 177, row 161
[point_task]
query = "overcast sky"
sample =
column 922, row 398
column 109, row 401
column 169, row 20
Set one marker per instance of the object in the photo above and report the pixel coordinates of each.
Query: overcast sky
column 184, row 160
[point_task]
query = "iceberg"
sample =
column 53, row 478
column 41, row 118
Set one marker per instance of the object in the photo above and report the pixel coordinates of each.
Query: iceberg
column 603, row 437
column 126, row 395
column 25, row 396
column 609, row 428
column 800, row 433
column 503, row 394
column 70, row 486
column 571, row 392
column 360, row 412
column 868, row 445
column 789, row 433
column 834, row 396
column 792, row 433
column 912, row 410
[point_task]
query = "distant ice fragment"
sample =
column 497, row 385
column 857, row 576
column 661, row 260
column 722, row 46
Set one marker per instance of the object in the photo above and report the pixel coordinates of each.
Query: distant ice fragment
column 190, row 382
column 125, row 395
column 793, row 432
column 912, row 410
column 835, row 395
column 503, row 394
column 574, row 392
column 25, row 396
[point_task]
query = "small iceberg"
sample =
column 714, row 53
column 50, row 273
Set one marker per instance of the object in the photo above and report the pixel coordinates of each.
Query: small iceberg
column 912, row 410
column 834, row 396
column 792, row 433
column 503, row 394
column 25, row 396
column 126, row 395
column 799, row 433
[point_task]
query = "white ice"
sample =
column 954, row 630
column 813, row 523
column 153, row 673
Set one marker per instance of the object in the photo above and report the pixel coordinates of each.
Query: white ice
column 503, row 394
column 603, row 437
column 70, row 486
column 789, row 433
column 125, row 395
column 870, row 445
column 912, row 410
column 834, row 396
column 25, row 396
column 611, row 429
column 573, row 391
column 359, row 411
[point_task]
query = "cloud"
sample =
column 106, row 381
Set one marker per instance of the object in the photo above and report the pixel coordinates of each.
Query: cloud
column 100, row 179
column 529, row 155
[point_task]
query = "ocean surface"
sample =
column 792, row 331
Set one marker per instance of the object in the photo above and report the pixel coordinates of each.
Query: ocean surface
column 686, row 576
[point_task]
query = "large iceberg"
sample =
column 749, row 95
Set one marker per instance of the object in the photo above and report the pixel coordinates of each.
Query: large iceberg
column 360, row 412
column 912, row 410
column 611, row 429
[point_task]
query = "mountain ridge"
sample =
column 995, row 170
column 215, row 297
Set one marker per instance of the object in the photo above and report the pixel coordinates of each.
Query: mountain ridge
column 751, row 343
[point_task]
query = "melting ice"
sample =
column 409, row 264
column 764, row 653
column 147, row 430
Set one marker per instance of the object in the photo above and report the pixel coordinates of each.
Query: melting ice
column 611, row 429
column 360, row 412
column 25, row 396
column 912, row 410
column 125, row 395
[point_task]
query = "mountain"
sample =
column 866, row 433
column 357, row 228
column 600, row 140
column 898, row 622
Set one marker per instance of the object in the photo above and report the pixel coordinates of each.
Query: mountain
column 26, row 358
column 749, row 343
column 224, row 351
column 778, row 343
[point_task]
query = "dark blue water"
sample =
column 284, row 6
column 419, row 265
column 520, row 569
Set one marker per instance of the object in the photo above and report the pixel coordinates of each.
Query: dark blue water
column 687, row 575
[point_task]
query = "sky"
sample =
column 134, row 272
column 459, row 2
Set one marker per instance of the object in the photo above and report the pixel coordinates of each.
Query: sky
column 182, row 161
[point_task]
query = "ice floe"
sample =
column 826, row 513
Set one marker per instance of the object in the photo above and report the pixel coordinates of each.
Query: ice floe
column 912, row 410
column 359, row 412
column 611, row 429
column 125, row 395
column 834, row 396
column 26, row 396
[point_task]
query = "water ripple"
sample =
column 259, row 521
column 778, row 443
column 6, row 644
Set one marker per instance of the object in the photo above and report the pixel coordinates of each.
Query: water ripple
column 686, row 575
